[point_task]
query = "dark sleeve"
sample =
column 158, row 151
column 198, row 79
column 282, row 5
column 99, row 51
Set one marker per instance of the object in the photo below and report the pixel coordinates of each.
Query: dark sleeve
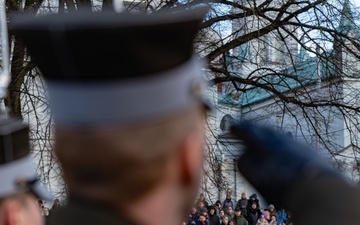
column 322, row 209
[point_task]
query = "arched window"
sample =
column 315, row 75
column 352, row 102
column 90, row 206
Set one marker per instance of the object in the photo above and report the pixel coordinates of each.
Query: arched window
column 226, row 123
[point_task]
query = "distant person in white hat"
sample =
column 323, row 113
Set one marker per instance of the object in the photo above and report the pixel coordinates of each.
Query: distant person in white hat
column 19, row 187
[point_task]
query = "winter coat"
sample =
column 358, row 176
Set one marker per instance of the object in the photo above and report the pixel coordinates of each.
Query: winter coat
column 282, row 217
column 253, row 216
column 214, row 219
column 87, row 214
column 240, row 220
column 251, row 201
column 194, row 217
column 242, row 205
column 228, row 202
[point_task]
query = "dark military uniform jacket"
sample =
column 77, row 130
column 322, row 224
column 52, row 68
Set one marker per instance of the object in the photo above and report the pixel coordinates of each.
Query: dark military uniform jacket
column 82, row 213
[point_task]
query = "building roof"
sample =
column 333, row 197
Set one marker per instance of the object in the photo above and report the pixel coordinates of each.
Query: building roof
column 293, row 77
column 305, row 72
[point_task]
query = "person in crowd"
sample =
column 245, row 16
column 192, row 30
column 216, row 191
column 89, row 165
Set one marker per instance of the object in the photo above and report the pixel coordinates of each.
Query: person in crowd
column 282, row 216
column 44, row 211
column 201, row 206
column 290, row 219
column 262, row 220
column 203, row 220
column 228, row 202
column 222, row 214
column 253, row 198
column 253, row 214
column 19, row 185
column 242, row 203
column 229, row 212
column 218, row 207
column 204, row 213
column 213, row 217
column 272, row 210
column 218, row 204
column 239, row 219
column 202, row 199
column 266, row 213
column 273, row 220
column 125, row 92
column 194, row 215
column 56, row 205
column 225, row 221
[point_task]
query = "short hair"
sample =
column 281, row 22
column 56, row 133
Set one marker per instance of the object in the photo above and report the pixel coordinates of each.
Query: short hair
column 123, row 162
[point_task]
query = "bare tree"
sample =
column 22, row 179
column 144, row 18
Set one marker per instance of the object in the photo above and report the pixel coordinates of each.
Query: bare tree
column 292, row 64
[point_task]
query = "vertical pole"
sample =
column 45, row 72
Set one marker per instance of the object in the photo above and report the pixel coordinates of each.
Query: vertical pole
column 5, row 58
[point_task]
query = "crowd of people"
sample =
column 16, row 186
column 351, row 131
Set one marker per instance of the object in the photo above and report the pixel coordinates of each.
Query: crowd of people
column 245, row 211
column 129, row 117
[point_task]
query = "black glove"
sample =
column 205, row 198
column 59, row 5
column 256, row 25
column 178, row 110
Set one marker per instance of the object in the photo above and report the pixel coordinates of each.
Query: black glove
column 273, row 163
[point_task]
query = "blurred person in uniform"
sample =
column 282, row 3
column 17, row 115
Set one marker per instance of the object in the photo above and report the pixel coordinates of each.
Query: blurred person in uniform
column 126, row 97
column 306, row 175
column 19, row 186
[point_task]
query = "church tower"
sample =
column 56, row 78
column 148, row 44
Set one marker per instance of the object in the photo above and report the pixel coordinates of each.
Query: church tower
column 277, row 49
column 345, row 61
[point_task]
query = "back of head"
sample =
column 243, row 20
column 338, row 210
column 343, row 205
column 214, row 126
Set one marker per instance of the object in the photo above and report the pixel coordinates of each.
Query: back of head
column 125, row 90
column 122, row 163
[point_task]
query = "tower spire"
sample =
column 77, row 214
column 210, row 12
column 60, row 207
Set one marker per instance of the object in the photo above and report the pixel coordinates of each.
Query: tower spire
column 347, row 18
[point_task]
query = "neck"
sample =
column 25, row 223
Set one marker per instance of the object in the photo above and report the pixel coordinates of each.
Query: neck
column 150, row 209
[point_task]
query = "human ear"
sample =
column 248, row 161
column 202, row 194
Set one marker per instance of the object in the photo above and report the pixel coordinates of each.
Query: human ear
column 12, row 212
column 192, row 158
